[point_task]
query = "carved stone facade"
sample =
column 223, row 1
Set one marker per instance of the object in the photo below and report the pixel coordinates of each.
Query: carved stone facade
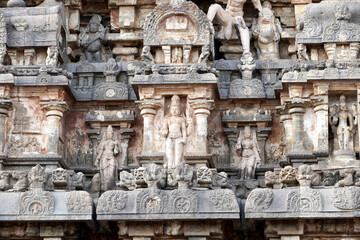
column 179, row 119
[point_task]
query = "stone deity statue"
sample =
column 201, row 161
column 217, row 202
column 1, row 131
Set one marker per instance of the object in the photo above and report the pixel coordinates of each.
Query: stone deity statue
column 267, row 29
column 174, row 130
column 91, row 38
column 249, row 157
column 105, row 161
column 342, row 121
column 232, row 17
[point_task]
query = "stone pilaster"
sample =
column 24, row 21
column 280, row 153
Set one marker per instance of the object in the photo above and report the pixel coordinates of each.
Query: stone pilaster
column 322, row 120
column 232, row 135
column 286, row 120
column 54, row 113
column 148, row 111
column 262, row 136
column 297, row 111
column 5, row 105
column 202, row 111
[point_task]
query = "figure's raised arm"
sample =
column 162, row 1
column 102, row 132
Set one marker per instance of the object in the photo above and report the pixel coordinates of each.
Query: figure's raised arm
column 257, row 4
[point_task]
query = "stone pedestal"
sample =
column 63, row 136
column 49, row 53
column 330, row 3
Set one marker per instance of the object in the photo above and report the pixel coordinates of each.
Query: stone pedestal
column 54, row 113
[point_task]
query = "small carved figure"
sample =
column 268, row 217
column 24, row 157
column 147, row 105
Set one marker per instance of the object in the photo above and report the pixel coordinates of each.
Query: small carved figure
column 347, row 177
column 248, row 149
column 233, row 16
column 343, row 120
column 91, row 38
column 37, row 177
column 146, row 55
column 111, row 70
column 22, row 182
column 304, row 175
column 52, row 56
column 205, row 53
column 183, row 175
column 267, row 29
column 329, row 178
column 220, row 180
column 174, row 130
column 106, row 161
column 127, row 180
column 4, row 181
column 153, row 175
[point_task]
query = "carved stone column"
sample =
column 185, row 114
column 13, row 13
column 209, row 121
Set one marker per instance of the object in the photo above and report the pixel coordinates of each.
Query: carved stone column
column 297, row 112
column 286, row 119
column 54, row 113
column 262, row 136
column 5, row 105
column 322, row 120
column 202, row 111
column 231, row 134
column 148, row 112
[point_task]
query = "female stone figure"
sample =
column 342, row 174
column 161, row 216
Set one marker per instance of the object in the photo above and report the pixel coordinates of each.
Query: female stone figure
column 248, row 149
column 106, row 161
column 174, row 130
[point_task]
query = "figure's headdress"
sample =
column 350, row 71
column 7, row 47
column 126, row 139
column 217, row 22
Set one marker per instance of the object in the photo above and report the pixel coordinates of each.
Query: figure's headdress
column 109, row 129
column 175, row 101
column 95, row 19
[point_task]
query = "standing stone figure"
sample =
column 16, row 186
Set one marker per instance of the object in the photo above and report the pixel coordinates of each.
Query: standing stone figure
column 233, row 16
column 91, row 38
column 174, row 130
column 344, row 119
column 248, row 149
column 106, row 161
column 267, row 29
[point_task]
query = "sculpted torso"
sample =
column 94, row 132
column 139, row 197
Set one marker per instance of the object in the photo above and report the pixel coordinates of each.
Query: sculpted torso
column 235, row 7
column 175, row 123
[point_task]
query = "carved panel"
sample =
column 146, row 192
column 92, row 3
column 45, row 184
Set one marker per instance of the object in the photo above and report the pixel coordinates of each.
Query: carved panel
column 36, row 202
column 259, row 200
column 152, row 201
column 112, row 201
column 224, row 200
column 79, row 202
column 183, row 201
column 305, row 200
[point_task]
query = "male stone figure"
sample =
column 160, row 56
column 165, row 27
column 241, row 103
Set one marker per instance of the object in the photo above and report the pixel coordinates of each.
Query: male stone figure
column 175, row 132
column 91, row 38
column 249, row 153
column 345, row 125
column 233, row 16
column 106, row 161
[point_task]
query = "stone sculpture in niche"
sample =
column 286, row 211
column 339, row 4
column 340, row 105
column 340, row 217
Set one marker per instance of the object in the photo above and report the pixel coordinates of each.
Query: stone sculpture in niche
column 106, row 161
column 267, row 29
column 91, row 38
column 233, row 16
column 342, row 122
column 174, row 130
column 248, row 150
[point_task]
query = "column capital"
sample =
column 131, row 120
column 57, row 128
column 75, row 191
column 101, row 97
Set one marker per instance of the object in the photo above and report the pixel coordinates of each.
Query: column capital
column 202, row 105
column 54, row 108
column 5, row 106
column 146, row 105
